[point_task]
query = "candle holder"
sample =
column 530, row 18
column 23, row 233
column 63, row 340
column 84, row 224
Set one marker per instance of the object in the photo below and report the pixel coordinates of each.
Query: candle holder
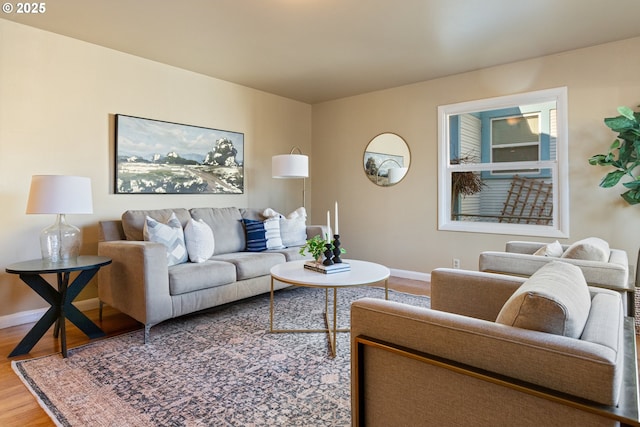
column 327, row 255
column 336, row 249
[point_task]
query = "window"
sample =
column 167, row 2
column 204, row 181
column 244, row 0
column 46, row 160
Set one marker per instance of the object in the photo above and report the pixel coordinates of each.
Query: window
column 503, row 165
column 515, row 139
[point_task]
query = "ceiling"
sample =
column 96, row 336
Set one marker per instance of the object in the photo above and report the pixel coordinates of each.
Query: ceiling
column 318, row 50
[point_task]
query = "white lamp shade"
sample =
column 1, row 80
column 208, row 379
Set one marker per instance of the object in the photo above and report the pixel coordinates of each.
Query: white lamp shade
column 396, row 174
column 60, row 194
column 290, row 166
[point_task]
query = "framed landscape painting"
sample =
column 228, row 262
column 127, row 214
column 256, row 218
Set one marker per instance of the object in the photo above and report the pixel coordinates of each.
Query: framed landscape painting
column 157, row 157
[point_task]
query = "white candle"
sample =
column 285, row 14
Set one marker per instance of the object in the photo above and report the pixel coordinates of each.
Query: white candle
column 337, row 230
column 328, row 227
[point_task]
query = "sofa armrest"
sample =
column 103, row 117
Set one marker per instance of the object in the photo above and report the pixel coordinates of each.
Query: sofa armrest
column 579, row 368
column 471, row 293
column 612, row 275
column 137, row 281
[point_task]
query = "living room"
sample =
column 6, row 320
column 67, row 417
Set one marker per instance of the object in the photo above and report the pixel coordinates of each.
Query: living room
column 60, row 95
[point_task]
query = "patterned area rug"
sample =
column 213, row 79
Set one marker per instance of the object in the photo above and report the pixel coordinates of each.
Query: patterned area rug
column 219, row 368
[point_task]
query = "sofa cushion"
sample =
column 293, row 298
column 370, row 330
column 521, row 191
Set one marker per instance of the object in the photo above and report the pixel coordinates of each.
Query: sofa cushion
column 252, row 264
column 133, row 220
column 589, row 249
column 191, row 277
column 226, row 224
column 170, row 235
column 551, row 250
column 292, row 254
column 555, row 299
column 255, row 235
column 199, row 239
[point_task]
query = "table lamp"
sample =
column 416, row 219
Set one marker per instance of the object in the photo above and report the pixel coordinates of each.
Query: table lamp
column 60, row 195
column 291, row 166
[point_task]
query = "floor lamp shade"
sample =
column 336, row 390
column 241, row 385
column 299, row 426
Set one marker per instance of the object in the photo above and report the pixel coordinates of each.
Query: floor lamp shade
column 60, row 195
column 290, row 166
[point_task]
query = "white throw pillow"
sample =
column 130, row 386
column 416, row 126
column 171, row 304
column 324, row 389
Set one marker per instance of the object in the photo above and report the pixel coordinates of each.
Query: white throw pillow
column 170, row 235
column 555, row 299
column 590, row 249
column 551, row 250
column 270, row 213
column 293, row 228
column 272, row 233
column 199, row 239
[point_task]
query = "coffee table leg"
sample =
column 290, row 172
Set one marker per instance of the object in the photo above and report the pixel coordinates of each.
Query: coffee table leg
column 335, row 322
column 271, row 308
column 332, row 330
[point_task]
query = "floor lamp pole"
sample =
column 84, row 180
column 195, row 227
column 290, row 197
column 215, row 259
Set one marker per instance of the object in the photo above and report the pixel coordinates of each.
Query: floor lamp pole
column 304, row 188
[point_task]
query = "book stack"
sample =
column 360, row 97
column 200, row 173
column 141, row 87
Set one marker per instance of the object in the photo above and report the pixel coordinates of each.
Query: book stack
column 327, row 269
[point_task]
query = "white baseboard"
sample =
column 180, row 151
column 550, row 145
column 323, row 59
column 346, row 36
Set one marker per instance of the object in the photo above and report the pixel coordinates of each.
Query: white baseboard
column 413, row 275
column 30, row 316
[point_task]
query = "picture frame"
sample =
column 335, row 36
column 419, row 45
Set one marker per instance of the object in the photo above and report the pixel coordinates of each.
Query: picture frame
column 160, row 157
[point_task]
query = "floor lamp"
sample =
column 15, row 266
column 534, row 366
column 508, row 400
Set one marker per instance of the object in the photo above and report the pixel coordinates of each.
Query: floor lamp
column 289, row 166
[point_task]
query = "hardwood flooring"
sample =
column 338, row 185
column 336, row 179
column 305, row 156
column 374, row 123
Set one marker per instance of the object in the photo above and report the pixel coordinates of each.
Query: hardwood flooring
column 18, row 407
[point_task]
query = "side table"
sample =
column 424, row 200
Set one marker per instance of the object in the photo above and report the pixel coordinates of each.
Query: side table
column 61, row 299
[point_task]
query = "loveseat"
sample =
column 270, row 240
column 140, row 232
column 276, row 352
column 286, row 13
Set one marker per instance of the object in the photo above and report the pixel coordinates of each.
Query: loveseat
column 212, row 267
column 601, row 265
column 491, row 351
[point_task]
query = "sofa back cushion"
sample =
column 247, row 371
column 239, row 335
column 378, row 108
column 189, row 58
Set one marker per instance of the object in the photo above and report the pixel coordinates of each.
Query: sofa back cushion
column 226, row 223
column 133, row 220
column 555, row 299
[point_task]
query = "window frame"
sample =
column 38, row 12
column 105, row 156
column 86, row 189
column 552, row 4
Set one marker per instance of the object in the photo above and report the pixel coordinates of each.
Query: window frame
column 558, row 166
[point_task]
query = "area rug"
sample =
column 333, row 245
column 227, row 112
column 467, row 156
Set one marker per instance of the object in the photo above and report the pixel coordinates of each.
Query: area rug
column 218, row 368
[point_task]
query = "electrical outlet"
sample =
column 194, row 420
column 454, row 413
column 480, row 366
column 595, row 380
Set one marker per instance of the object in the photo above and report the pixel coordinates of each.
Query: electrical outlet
column 456, row 263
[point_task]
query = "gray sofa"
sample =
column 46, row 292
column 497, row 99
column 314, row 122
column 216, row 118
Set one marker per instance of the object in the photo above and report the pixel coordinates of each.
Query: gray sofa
column 454, row 364
column 601, row 265
column 141, row 283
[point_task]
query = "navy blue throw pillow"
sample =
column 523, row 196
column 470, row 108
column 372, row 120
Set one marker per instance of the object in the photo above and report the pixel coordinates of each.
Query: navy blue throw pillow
column 256, row 235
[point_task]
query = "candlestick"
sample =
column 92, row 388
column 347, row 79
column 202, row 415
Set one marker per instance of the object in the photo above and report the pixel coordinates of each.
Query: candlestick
column 336, row 249
column 337, row 231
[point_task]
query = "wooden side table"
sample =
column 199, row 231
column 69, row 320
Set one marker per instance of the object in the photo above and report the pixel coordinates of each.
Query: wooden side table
column 61, row 299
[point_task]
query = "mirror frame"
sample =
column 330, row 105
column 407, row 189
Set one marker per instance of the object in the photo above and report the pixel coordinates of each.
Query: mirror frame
column 559, row 166
column 364, row 158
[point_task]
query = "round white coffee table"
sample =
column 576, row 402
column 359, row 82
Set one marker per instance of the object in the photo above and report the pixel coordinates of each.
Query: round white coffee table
column 361, row 273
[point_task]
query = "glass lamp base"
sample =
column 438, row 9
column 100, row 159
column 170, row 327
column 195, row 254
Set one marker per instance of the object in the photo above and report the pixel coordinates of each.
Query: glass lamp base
column 60, row 242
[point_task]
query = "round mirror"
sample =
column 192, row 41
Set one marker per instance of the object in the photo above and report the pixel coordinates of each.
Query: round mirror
column 386, row 159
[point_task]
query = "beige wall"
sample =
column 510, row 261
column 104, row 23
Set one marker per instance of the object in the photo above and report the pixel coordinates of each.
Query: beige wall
column 398, row 225
column 57, row 99
column 58, row 95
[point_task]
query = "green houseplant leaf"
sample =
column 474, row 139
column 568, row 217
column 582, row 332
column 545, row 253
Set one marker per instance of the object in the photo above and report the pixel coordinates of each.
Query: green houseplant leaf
column 623, row 154
column 315, row 246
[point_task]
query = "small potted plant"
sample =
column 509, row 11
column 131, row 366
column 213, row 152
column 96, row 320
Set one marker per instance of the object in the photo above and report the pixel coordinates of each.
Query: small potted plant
column 316, row 246
column 623, row 155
